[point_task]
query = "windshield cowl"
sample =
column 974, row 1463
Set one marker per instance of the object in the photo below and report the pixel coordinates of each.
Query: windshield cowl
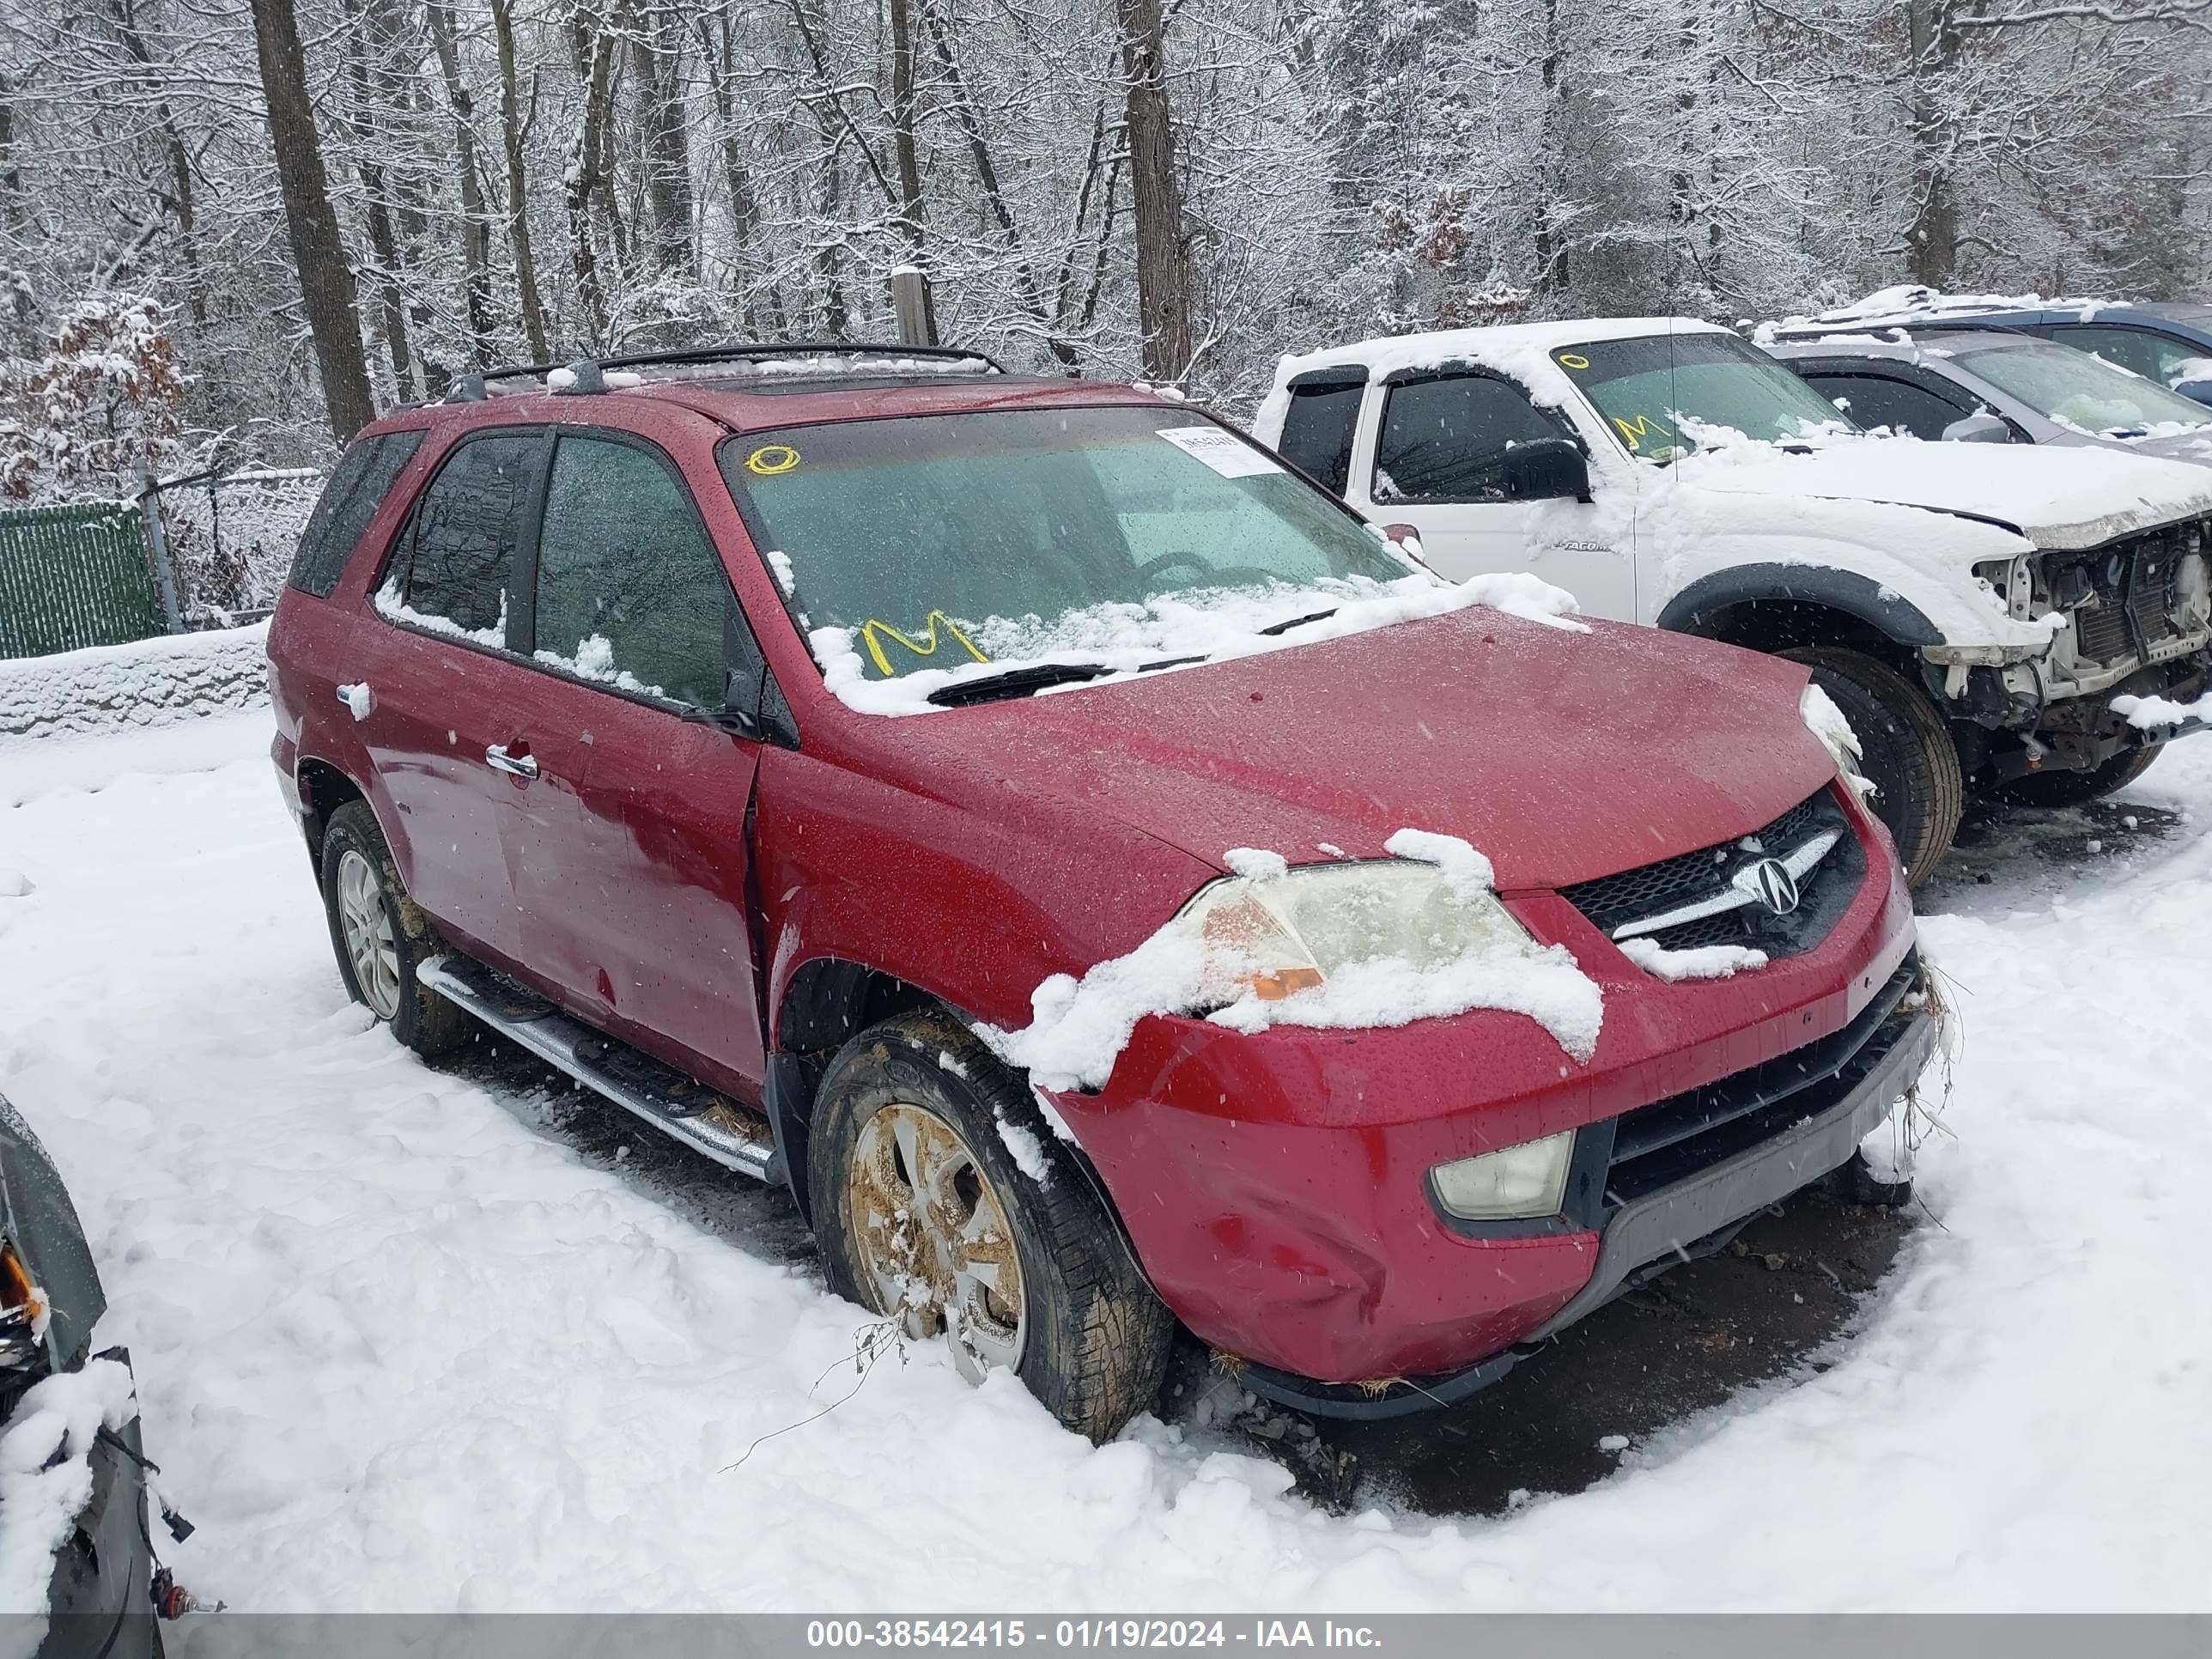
column 1183, row 638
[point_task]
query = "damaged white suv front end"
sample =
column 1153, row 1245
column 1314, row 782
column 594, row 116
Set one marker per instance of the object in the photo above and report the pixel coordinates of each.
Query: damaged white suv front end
column 2005, row 603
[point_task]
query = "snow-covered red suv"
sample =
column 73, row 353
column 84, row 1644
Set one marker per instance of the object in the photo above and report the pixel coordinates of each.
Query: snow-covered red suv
column 1108, row 882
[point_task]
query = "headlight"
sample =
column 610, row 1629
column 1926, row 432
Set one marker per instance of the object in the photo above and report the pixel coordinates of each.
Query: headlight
column 2013, row 582
column 1511, row 1184
column 22, row 1311
column 1290, row 933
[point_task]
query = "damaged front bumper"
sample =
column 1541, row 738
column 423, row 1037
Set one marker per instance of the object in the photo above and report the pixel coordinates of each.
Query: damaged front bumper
column 2133, row 617
column 1278, row 1190
column 1829, row 1099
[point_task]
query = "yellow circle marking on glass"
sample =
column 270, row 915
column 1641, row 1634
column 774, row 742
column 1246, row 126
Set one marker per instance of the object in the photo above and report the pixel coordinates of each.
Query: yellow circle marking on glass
column 1572, row 360
column 771, row 459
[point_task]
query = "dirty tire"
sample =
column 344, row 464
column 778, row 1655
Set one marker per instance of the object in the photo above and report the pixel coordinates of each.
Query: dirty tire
column 428, row 1023
column 1906, row 750
column 2079, row 788
column 1095, row 1336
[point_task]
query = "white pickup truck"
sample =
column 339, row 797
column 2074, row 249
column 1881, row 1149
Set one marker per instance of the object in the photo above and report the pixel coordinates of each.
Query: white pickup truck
column 1986, row 615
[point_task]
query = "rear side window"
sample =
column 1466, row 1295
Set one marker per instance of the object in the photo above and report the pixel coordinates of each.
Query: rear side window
column 358, row 485
column 1873, row 400
column 2153, row 356
column 630, row 590
column 456, row 564
column 1317, row 427
column 1445, row 439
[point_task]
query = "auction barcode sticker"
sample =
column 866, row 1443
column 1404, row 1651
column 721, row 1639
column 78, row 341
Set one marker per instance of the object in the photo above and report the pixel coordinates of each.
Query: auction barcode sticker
column 1224, row 452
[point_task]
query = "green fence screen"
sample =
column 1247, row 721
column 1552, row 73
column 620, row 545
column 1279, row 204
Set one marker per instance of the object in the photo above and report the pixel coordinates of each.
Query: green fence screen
column 73, row 576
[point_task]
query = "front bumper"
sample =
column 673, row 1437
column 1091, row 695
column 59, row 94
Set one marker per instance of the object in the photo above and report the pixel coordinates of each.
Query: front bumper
column 1889, row 1045
column 1275, row 1187
column 99, row 1604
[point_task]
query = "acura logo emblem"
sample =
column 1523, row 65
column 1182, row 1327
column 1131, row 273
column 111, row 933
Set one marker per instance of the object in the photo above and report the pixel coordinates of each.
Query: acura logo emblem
column 1770, row 882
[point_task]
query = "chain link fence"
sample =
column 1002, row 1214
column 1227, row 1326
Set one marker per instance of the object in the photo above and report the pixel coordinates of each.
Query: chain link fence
column 230, row 538
column 207, row 551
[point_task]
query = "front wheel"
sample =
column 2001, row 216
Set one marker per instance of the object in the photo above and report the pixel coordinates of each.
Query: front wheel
column 942, row 1202
column 1906, row 750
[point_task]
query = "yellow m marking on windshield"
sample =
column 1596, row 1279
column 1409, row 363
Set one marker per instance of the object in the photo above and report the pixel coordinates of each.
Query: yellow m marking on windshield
column 871, row 627
column 1641, row 428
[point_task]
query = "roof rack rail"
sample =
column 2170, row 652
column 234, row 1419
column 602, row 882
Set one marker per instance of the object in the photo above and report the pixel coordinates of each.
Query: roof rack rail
column 470, row 388
column 768, row 350
column 590, row 372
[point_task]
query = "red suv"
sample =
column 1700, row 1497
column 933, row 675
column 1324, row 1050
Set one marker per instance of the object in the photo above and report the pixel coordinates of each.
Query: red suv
column 1106, row 880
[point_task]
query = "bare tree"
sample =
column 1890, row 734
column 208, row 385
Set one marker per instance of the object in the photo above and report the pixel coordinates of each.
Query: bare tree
column 318, row 247
column 1163, row 279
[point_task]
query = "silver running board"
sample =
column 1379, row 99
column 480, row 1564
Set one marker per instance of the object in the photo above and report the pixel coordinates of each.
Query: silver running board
column 722, row 1133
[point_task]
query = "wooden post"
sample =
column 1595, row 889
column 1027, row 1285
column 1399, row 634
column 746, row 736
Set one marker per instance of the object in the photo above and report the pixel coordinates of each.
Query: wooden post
column 910, row 303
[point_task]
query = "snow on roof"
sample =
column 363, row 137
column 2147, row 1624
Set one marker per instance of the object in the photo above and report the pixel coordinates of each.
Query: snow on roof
column 1910, row 302
column 1898, row 343
column 1388, row 354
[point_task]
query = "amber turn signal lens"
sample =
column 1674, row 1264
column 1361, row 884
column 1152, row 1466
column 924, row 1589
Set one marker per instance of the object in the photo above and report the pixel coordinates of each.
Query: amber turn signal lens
column 1285, row 981
column 19, row 1297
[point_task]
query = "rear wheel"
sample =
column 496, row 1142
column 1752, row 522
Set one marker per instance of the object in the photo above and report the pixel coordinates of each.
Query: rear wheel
column 381, row 936
column 2079, row 788
column 926, row 1214
column 1905, row 751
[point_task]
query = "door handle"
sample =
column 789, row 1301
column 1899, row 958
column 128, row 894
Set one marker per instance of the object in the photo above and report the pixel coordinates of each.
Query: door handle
column 519, row 765
column 358, row 698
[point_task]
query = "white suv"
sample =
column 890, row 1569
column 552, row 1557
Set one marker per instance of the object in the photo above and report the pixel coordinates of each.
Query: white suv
column 1982, row 613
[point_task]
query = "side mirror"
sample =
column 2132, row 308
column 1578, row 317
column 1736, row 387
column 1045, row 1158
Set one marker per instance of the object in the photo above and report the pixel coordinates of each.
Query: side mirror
column 1406, row 538
column 1545, row 469
column 753, row 707
column 1978, row 429
column 2196, row 391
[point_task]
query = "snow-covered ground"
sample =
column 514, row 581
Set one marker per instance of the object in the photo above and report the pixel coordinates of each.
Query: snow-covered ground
column 400, row 1348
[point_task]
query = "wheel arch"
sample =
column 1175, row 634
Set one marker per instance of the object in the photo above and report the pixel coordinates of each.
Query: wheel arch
column 322, row 789
column 824, row 1003
column 1774, row 607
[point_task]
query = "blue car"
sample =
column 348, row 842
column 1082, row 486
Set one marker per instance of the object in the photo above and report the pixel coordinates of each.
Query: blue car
column 2170, row 344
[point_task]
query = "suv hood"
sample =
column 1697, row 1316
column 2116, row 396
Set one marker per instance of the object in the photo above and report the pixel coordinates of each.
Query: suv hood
column 1562, row 756
column 2056, row 497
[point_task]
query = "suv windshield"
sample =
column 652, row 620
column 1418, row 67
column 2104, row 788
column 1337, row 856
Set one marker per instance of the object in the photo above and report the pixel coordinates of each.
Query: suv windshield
column 1648, row 389
column 2077, row 390
column 935, row 541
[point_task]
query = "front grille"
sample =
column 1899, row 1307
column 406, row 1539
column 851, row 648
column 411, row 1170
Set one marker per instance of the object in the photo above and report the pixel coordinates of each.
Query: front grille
column 2126, row 589
column 1615, row 900
column 1672, row 1140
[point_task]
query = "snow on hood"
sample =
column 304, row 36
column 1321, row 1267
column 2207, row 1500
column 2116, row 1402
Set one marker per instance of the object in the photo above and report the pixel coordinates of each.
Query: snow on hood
column 1215, row 625
column 2057, row 498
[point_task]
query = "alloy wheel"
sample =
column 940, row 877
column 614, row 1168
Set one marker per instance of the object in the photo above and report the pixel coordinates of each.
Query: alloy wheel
column 932, row 1238
column 366, row 921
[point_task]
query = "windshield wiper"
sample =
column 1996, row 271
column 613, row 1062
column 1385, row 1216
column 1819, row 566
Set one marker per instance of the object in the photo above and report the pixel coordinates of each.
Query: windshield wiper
column 1288, row 623
column 1015, row 683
